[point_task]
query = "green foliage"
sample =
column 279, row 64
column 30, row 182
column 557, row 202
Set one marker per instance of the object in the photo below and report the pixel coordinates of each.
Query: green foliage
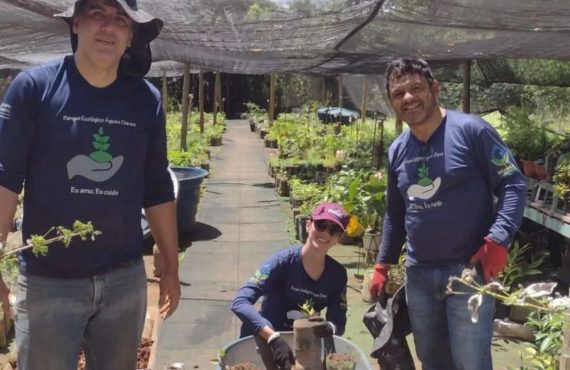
column 308, row 307
column 544, row 353
column 561, row 179
column 526, row 137
column 361, row 193
column 519, row 268
column 39, row 243
column 304, row 190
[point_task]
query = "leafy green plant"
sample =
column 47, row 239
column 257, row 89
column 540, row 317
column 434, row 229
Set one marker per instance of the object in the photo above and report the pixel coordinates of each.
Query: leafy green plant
column 307, row 308
column 527, row 138
column 39, row 243
column 544, row 353
column 561, row 179
column 518, row 268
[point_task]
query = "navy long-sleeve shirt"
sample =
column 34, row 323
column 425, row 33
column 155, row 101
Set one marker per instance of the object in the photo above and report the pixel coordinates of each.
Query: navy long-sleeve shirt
column 83, row 153
column 285, row 286
column 440, row 193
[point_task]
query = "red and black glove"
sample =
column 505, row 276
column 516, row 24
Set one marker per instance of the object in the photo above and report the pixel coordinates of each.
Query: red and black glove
column 378, row 279
column 493, row 257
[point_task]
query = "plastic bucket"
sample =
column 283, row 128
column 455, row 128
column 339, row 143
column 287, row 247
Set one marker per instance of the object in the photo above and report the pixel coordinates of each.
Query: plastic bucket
column 189, row 180
column 244, row 350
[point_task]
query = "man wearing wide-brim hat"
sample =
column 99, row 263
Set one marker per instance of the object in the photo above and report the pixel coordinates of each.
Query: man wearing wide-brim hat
column 85, row 138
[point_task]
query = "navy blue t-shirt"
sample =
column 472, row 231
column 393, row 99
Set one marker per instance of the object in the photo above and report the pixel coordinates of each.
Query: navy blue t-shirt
column 285, row 286
column 440, row 193
column 83, row 153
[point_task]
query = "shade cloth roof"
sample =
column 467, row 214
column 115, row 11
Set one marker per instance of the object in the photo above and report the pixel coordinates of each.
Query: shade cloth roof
column 315, row 36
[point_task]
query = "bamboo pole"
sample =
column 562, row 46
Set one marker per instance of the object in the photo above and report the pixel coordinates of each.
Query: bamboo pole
column 467, row 86
column 271, row 110
column 164, row 92
column 201, row 99
column 185, row 106
column 215, row 100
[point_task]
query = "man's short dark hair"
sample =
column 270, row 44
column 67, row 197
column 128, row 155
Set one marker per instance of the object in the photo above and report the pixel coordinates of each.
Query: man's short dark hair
column 402, row 66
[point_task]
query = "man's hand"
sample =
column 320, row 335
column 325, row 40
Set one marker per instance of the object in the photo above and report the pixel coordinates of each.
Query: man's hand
column 282, row 354
column 493, row 258
column 378, row 279
column 169, row 293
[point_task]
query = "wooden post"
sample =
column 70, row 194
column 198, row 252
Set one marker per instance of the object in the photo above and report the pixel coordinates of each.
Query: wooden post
column 364, row 98
column 399, row 126
column 219, row 88
column 271, row 110
column 185, row 104
column 227, row 101
column 215, row 100
column 324, row 90
column 201, row 99
column 340, row 91
column 164, row 92
column 467, row 86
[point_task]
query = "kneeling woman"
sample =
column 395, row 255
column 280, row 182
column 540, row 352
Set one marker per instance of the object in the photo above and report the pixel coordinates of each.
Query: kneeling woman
column 291, row 277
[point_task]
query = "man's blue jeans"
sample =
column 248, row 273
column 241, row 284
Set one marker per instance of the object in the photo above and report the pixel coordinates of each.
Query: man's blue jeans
column 444, row 335
column 105, row 313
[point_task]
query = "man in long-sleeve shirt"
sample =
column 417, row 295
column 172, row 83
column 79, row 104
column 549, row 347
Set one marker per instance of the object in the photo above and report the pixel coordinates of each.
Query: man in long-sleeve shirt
column 443, row 175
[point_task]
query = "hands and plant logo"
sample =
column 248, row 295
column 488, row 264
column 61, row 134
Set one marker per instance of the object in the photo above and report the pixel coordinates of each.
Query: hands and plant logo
column 100, row 165
column 425, row 188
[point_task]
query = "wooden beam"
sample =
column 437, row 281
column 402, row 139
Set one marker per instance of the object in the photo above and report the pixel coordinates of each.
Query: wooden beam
column 201, row 99
column 467, row 86
column 271, row 110
column 185, row 106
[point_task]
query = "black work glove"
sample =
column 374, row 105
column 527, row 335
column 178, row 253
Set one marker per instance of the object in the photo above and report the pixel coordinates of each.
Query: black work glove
column 282, row 354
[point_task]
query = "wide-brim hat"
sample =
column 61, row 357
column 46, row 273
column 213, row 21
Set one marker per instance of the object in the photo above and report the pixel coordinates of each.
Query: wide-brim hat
column 137, row 58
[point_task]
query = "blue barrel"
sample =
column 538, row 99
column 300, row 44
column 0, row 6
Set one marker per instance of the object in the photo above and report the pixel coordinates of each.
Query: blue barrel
column 189, row 180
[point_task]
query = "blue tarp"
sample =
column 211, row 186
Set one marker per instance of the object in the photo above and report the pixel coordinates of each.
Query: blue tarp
column 337, row 114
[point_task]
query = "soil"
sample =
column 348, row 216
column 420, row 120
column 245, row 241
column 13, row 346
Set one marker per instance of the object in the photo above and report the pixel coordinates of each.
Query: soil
column 142, row 356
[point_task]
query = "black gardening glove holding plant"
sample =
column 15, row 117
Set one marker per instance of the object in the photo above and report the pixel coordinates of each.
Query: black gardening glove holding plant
column 282, row 354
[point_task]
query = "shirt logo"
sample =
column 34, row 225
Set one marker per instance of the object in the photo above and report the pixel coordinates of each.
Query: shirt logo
column 425, row 188
column 500, row 158
column 5, row 110
column 260, row 276
column 100, row 165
